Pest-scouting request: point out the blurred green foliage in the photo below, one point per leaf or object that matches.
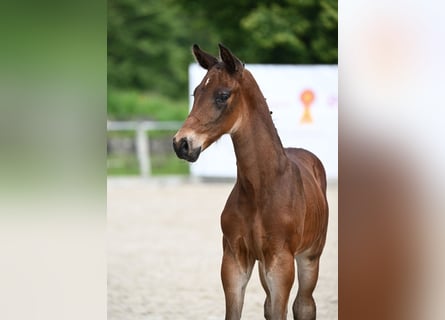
(132, 104)
(149, 44)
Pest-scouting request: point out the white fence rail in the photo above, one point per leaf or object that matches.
(142, 139)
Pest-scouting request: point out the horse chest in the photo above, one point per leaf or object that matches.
(260, 231)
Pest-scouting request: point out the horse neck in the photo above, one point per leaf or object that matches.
(259, 152)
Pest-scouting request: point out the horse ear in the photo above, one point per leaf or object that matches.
(204, 59)
(232, 63)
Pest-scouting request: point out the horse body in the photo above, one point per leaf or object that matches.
(277, 211)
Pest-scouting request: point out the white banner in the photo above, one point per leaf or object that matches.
(304, 102)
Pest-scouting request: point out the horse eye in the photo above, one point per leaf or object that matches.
(222, 97)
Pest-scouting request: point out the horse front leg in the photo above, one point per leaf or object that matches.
(236, 269)
(262, 272)
(277, 277)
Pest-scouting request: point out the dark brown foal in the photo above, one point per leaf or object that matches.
(277, 210)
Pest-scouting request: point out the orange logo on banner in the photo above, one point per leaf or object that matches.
(307, 97)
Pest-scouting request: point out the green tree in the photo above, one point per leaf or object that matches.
(296, 31)
(264, 31)
(148, 46)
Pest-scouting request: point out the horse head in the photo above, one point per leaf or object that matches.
(216, 103)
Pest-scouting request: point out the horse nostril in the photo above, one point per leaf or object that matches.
(184, 146)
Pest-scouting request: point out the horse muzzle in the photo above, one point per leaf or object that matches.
(184, 150)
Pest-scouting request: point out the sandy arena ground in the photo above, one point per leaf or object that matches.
(165, 249)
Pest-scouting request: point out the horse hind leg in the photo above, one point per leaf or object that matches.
(304, 304)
